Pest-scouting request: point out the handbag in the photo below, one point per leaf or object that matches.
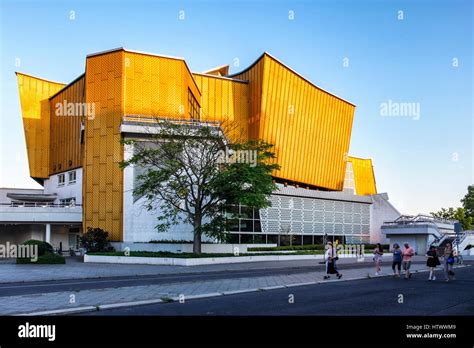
(335, 258)
(450, 260)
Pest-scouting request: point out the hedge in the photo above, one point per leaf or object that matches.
(47, 258)
(43, 247)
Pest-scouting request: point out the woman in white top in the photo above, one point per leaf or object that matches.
(378, 253)
(330, 256)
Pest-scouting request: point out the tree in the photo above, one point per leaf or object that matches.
(95, 239)
(455, 214)
(468, 201)
(191, 173)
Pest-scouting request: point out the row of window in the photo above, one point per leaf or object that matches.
(284, 240)
(193, 106)
(71, 178)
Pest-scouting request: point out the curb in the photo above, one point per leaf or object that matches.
(62, 311)
(128, 304)
(200, 296)
(242, 291)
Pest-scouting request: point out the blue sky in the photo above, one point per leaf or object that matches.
(423, 164)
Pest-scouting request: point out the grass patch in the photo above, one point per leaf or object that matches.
(166, 299)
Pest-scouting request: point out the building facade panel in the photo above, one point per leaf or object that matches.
(225, 101)
(302, 121)
(157, 86)
(104, 88)
(363, 175)
(35, 110)
(66, 117)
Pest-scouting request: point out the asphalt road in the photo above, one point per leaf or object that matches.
(378, 296)
(38, 287)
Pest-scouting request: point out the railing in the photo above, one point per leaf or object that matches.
(39, 205)
(460, 238)
(439, 241)
(418, 219)
(153, 119)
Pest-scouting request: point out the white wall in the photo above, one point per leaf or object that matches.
(139, 223)
(381, 210)
(68, 190)
(187, 248)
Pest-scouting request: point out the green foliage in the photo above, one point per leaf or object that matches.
(95, 239)
(186, 175)
(47, 258)
(455, 214)
(468, 201)
(43, 247)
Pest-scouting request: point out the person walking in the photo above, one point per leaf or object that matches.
(408, 253)
(378, 253)
(432, 262)
(448, 262)
(397, 260)
(330, 257)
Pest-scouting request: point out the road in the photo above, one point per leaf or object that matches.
(380, 296)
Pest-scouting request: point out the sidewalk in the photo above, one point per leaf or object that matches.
(75, 269)
(97, 298)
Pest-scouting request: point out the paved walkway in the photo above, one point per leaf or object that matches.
(76, 269)
(186, 290)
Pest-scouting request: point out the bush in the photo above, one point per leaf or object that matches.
(95, 240)
(48, 258)
(43, 247)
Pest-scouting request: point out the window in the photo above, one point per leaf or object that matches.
(68, 201)
(61, 179)
(72, 177)
(193, 106)
(81, 132)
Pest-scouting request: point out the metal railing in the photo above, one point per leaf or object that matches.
(418, 219)
(39, 205)
(153, 119)
(461, 237)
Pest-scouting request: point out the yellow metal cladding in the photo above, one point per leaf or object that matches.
(225, 100)
(254, 76)
(157, 86)
(103, 178)
(35, 110)
(309, 127)
(363, 176)
(65, 143)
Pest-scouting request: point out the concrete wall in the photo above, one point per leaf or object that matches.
(139, 223)
(419, 242)
(381, 210)
(67, 190)
(40, 214)
(187, 248)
